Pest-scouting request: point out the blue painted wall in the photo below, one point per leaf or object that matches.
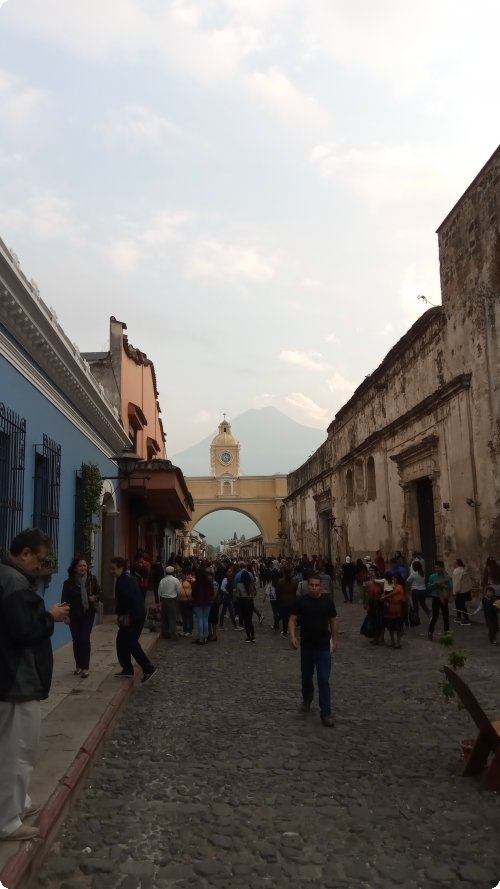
(42, 417)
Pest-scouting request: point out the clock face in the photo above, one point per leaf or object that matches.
(226, 458)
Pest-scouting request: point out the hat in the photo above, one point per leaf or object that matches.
(368, 558)
(348, 558)
(169, 570)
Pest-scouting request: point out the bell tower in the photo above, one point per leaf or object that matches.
(225, 453)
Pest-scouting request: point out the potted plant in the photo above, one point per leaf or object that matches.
(456, 660)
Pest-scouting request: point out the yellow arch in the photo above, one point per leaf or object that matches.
(260, 498)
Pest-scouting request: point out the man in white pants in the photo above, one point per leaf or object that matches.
(25, 676)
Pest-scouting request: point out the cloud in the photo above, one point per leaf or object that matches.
(338, 383)
(227, 262)
(263, 400)
(49, 216)
(128, 253)
(311, 284)
(136, 126)
(22, 107)
(314, 361)
(331, 338)
(203, 416)
(6, 159)
(390, 173)
(284, 98)
(309, 409)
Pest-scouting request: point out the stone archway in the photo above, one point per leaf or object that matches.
(260, 498)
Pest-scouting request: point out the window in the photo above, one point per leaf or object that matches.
(47, 489)
(371, 483)
(359, 480)
(349, 488)
(12, 456)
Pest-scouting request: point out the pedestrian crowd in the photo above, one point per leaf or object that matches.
(197, 599)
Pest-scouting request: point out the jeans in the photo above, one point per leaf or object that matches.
(227, 605)
(187, 617)
(418, 598)
(321, 660)
(81, 628)
(276, 614)
(443, 607)
(128, 646)
(169, 617)
(201, 613)
(348, 590)
(461, 606)
(492, 624)
(246, 613)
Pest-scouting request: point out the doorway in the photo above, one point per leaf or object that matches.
(425, 503)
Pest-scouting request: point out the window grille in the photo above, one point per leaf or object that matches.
(12, 458)
(47, 490)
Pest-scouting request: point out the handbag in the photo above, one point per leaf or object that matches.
(123, 621)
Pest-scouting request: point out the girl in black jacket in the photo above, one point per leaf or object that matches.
(82, 593)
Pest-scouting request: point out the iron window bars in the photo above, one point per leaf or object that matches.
(47, 490)
(12, 461)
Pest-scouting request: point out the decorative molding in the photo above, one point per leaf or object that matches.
(36, 329)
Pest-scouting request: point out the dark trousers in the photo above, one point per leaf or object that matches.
(285, 612)
(443, 607)
(169, 618)
(128, 646)
(227, 605)
(418, 598)
(187, 616)
(348, 590)
(246, 614)
(492, 624)
(461, 606)
(321, 661)
(81, 628)
(276, 614)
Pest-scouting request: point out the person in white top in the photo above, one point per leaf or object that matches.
(462, 587)
(418, 589)
(168, 591)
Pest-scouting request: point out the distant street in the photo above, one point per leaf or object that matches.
(213, 779)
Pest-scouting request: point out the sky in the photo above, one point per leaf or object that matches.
(253, 186)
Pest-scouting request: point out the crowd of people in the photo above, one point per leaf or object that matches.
(196, 599)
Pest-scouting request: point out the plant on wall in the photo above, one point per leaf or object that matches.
(456, 660)
(91, 504)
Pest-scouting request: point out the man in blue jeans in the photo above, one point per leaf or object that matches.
(318, 638)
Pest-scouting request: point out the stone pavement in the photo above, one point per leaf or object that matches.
(213, 779)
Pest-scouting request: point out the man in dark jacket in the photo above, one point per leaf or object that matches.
(25, 676)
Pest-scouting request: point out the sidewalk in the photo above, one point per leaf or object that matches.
(76, 718)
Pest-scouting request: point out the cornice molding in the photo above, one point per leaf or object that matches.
(57, 367)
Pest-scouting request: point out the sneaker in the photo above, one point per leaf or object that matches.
(239, 628)
(252, 640)
(125, 674)
(84, 674)
(327, 721)
(261, 619)
(466, 623)
(77, 672)
(247, 640)
(22, 833)
(457, 620)
(149, 675)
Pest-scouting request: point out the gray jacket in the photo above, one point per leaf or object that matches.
(26, 659)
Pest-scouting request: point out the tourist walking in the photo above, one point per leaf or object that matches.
(373, 624)
(226, 589)
(286, 594)
(462, 591)
(202, 596)
(347, 579)
(394, 601)
(130, 617)
(491, 607)
(213, 615)
(81, 591)
(418, 589)
(169, 590)
(440, 586)
(245, 591)
(318, 638)
(186, 604)
(26, 662)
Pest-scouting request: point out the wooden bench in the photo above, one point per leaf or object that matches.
(488, 739)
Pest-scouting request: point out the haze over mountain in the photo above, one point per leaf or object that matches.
(270, 442)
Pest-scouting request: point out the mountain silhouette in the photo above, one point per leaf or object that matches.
(270, 443)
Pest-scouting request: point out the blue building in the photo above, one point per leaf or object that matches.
(55, 423)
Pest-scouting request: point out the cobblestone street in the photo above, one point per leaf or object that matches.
(212, 778)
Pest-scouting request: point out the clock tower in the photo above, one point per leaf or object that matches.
(225, 453)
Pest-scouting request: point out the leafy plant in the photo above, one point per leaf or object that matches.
(456, 660)
(91, 504)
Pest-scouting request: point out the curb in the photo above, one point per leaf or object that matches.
(20, 868)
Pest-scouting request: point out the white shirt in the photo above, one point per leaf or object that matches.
(169, 587)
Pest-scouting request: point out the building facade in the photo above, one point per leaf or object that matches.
(55, 422)
(411, 461)
(155, 499)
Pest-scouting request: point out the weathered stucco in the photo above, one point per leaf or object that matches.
(418, 443)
